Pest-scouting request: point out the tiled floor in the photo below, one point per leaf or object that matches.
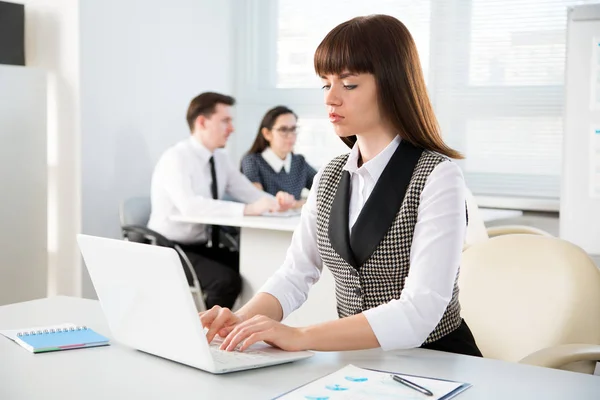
(545, 221)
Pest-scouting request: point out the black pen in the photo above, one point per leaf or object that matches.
(412, 385)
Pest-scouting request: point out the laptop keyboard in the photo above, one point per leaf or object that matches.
(227, 357)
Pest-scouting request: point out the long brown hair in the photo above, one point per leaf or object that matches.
(268, 121)
(381, 45)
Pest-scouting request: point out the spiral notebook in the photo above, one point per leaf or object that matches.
(55, 338)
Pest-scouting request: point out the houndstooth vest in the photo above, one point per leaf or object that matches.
(370, 264)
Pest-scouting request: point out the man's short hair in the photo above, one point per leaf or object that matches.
(205, 104)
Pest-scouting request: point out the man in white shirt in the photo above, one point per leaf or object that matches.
(190, 179)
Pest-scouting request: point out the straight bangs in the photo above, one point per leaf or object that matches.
(382, 46)
(343, 50)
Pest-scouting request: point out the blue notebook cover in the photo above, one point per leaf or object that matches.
(39, 341)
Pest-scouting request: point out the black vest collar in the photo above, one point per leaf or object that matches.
(378, 213)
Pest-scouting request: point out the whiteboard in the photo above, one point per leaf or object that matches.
(580, 181)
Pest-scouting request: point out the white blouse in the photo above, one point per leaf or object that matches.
(275, 162)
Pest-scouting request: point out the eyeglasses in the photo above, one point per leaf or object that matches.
(286, 131)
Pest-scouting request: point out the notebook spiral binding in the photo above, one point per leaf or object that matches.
(48, 331)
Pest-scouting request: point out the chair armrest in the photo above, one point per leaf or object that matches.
(148, 234)
(558, 356)
(515, 229)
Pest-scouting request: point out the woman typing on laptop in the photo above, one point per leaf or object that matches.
(388, 219)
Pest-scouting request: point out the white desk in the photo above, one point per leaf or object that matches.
(289, 224)
(263, 245)
(119, 372)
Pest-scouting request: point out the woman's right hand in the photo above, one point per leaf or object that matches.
(285, 200)
(219, 320)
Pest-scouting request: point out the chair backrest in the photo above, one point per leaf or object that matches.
(523, 293)
(513, 229)
(135, 211)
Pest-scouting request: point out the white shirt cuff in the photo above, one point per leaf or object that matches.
(237, 208)
(278, 289)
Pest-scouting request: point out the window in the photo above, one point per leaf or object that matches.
(494, 70)
(517, 42)
(301, 25)
(500, 96)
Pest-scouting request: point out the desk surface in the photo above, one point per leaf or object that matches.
(120, 372)
(286, 224)
(289, 224)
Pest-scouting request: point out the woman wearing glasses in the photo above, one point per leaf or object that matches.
(271, 164)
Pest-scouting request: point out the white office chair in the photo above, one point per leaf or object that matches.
(532, 299)
(134, 214)
(477, 232)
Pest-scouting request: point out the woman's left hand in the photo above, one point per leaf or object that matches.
(285, 200)
(264, 328)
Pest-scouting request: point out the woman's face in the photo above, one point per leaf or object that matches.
(282, 136)
(351, 101)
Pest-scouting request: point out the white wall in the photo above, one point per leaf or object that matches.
(141, 64)
(52, 44)
(23, 233)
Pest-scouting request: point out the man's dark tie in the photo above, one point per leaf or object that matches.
(215, 195)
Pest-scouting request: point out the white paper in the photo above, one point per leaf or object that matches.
(353, 383)
(594, 166)
(288, 213)
(12, 333)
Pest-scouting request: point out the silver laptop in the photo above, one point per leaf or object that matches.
(146, 299)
